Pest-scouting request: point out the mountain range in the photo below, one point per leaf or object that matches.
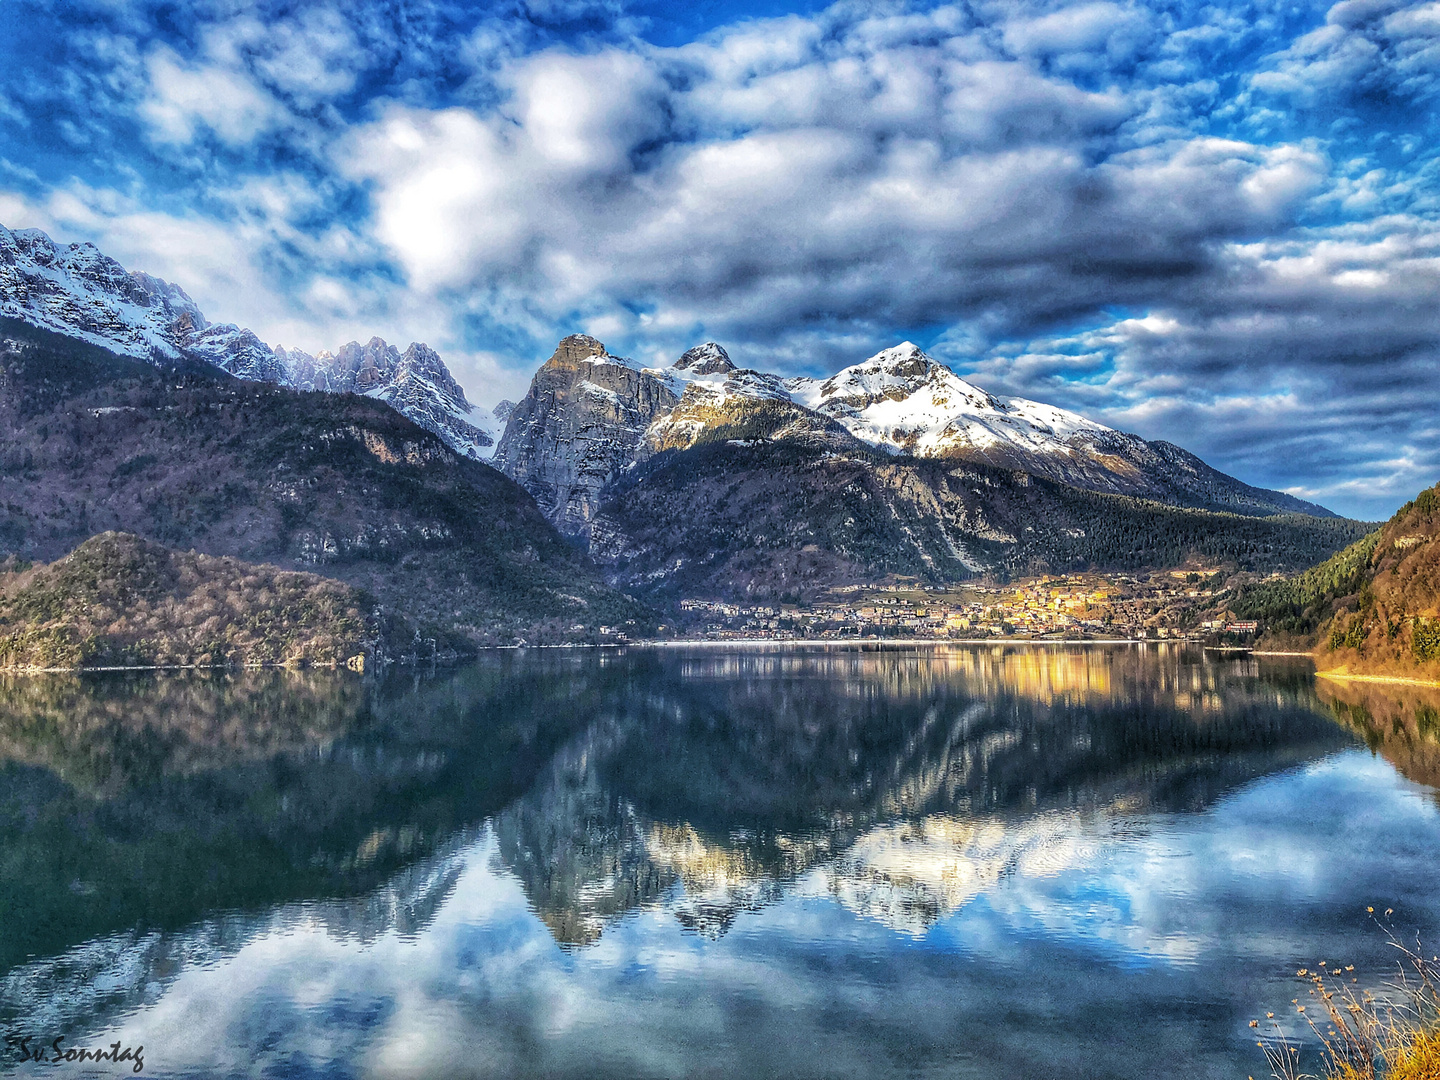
(77, 291)
(340, 485)
(697, 478)
(589, 417)
(706, 478)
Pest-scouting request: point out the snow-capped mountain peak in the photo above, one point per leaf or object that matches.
(415, 383)
(901, 399)
(589, 422)
(77, 291)
(895, 374)
(235, 350)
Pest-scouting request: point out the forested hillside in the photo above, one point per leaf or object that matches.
(1292, 610)
(121, 600)
(778, 518)
(1391, 624)
(1374, 608)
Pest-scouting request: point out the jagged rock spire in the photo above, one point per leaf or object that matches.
(706, 359)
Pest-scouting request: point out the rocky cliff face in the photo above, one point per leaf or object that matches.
(77, 291)
(415, 383)
(580, 426)
(236, 351)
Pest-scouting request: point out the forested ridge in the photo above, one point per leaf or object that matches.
(1373, 608)
(118, 600)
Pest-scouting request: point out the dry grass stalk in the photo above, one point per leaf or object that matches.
(1390, 1033)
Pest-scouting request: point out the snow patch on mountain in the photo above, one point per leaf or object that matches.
(237, 351)
(416, 383)
(898, 401)
(77, 291)
(707, 359)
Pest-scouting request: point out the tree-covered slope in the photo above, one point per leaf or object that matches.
(1391, 624)
(1294, 608)
(118, 599)
(1374, 608)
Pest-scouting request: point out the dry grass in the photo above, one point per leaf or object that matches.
(1391, 1032)
(1421, 1059)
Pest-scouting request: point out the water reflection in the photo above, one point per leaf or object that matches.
(727, 774)
(915, 778)
(758, 818)
(148, 801)
(1398, 721)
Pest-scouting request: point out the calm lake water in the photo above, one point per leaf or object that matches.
(803, 862)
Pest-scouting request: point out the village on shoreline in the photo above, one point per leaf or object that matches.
(1174, 605)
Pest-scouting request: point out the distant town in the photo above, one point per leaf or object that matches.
(1177, 604)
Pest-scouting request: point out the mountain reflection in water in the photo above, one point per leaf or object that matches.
(157, 825)
(912, 779)
(1398, 721)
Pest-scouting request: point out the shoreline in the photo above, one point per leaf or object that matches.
(711, 643)
(674, 643)
(169, 667)
(1398, 680)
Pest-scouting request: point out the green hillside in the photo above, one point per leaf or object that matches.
(1372, 609)
(1297, 607)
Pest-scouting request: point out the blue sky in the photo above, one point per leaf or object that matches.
(1207, 222)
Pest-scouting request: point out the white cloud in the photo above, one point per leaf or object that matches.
(586, 113)
(917, 186)
(1306, 367)
(186, 98)
(1110, 30)
(315, 56)
(1387, 46)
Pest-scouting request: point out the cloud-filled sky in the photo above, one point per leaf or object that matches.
(1216, 223)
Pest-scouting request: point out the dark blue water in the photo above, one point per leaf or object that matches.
(968, 862)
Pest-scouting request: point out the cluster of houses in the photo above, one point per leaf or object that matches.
(1157, 606)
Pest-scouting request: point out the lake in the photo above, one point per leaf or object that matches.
(957, 861)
